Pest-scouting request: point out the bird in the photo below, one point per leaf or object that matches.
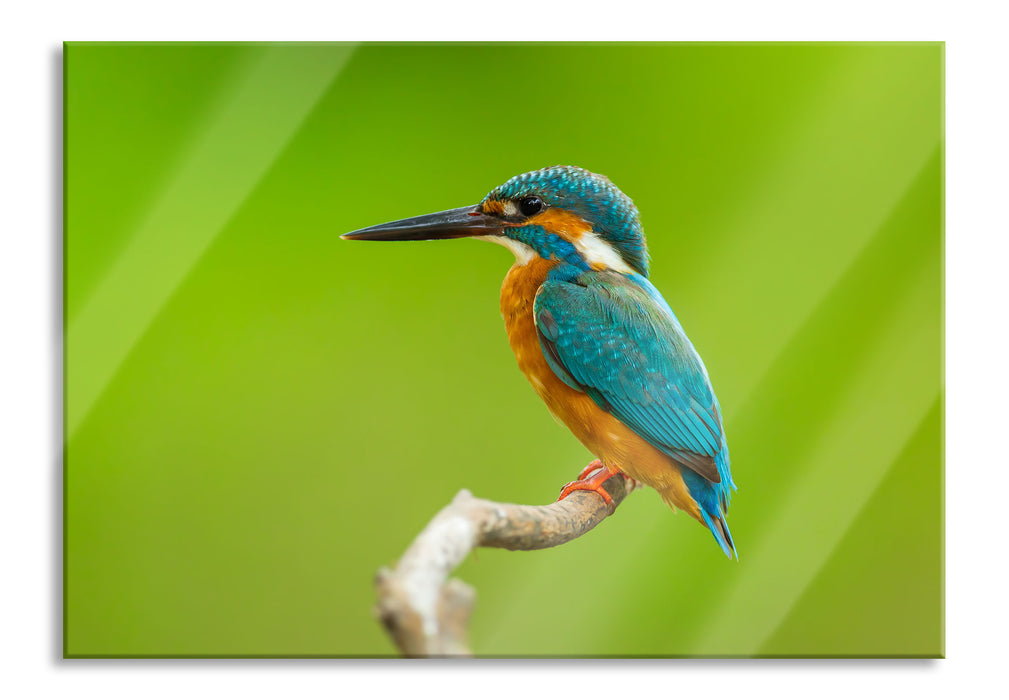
(595, 338)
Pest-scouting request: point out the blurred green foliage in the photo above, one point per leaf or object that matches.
(259, 415)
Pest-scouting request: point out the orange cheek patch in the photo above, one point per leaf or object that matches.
(568, 226)
(493, 207)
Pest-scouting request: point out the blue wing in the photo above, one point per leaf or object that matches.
(615, 338)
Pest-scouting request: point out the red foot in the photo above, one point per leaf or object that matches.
(593, 465)
(594, 483)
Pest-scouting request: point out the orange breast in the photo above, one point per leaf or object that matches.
(605, 436)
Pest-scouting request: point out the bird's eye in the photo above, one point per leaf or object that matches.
(530, 206)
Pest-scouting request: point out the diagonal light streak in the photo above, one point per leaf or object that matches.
(770, 223)
(238, 145)
(882, 500)
(883, 407)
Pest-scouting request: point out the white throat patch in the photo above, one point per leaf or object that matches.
(523, 253)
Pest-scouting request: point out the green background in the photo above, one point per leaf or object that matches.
(260, 415)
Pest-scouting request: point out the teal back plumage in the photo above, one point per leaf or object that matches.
(613, 336)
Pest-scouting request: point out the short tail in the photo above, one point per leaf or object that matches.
(712, 501)
(721, 532)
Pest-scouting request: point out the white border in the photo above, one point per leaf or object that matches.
(976, 348)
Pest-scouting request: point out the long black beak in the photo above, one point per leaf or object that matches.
(454, 223)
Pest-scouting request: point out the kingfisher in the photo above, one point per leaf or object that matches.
(595, 338)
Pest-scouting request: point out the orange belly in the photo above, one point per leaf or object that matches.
(602, 433)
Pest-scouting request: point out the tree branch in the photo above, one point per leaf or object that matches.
(428, 615)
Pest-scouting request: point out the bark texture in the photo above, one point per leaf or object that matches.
(425, 612)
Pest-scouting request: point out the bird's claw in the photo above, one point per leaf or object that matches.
(600, 473)
(593, 465)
